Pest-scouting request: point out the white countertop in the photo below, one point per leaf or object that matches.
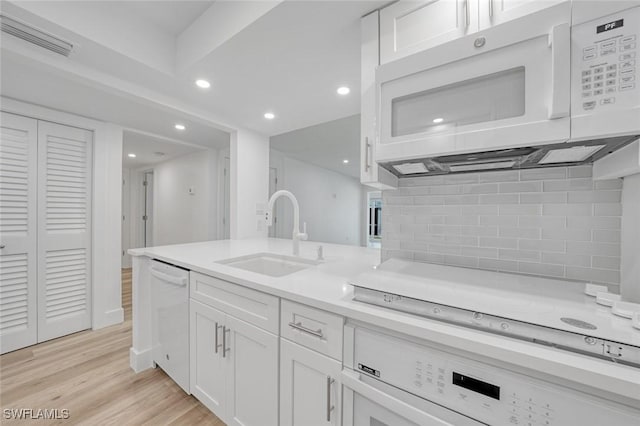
(326, 287)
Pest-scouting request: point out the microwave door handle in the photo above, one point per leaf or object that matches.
(352, 381)
(559, 42)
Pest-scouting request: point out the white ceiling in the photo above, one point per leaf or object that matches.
(34, 83)
(171, 16)
(325, 145)
(150, 150)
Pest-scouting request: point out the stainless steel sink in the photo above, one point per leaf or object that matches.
(273, 265)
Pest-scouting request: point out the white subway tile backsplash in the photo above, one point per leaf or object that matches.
(605, 262)
(599, 196)
(519, 255)
(498, 242)
(498, 265)
(499, 199)
(554, 222)
(509, 221)
(611, 209)
(521, 187)
(568, 185)
(543, 174)
(543, 197)
(579, 171)
(567, 209)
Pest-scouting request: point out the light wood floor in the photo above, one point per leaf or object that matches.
(88, 373)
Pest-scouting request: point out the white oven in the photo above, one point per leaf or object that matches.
(395, 380)
(537, 80)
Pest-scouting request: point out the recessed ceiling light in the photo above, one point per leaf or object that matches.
(438, 120)
(203, 84)
(180, 126)
(132, 155)
(344, 90)
(269, 115)
(345, 161)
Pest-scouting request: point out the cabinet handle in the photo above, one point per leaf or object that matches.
(467, 13)
(299, 326)
(330, 407)
(490, 8)
(2, 246)
(217, 328)
(224, 341)
(367, 145)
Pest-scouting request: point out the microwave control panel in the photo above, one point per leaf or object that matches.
(605, 62)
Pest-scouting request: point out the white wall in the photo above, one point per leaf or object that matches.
(331, 203)
(249, 184)
(180, 216)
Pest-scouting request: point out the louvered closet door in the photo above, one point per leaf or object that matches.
(64, 230)
(18, 232)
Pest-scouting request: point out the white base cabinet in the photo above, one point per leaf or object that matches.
(233, 367)
(310, 388)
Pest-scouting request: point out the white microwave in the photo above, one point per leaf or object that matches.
(564, 74)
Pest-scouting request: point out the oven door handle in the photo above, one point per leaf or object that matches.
(352, 381)
(560, 44)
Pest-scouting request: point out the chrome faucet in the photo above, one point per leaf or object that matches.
(296, 234)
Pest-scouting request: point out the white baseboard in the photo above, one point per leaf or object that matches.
(112, 317)
(140, 360)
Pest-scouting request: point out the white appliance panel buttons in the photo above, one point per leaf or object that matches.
(628, 39)
(589, 105)
(627, 56)
(626, 47)
(610, 90)
(607, 44)
(598, 92)
(609, 51)
(627, 86)
(608, 101)
(589, 56)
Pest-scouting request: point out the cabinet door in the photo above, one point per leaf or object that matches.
(64, 230)
(252, 375)
(408, 27)
(494, 12)
(207, 367)
(18, 233)
(310, 391)
(370, 173)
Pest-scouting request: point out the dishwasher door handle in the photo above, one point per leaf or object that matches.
(351, 380)
(179, 281)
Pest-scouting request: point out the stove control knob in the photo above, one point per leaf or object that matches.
(590, 340)
(477, 315)
(504, 326)
(436, 310)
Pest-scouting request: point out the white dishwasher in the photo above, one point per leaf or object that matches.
(170, 320)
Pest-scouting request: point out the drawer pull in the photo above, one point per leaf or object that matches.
(299, 326)
(218, 327)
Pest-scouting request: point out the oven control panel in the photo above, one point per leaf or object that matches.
(605, 62)
(483, 392)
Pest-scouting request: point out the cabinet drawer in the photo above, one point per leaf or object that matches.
(254, 307)
(310, 327)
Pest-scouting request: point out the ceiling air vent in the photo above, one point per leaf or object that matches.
(35, 36)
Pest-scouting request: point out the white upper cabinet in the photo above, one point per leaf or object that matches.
(370, 173)
(408, 27)
(494, 12)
